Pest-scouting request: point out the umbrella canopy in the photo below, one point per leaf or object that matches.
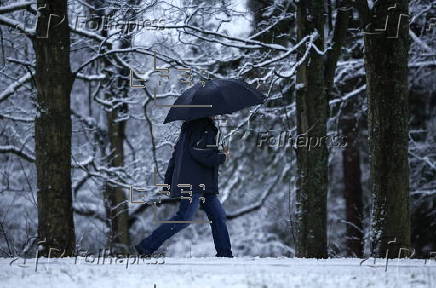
(216, 97)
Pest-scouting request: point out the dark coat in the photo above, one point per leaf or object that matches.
(192, 161)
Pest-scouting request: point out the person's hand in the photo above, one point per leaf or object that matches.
(226, 151)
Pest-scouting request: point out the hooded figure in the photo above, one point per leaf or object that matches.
(195, 159)
(194, 163)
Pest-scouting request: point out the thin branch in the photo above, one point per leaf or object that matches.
(255, 206)
(17, 25)
(15, 7)
(14, 150)
(257, 44)
(14, 86)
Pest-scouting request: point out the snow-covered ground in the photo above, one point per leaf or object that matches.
(217, 272)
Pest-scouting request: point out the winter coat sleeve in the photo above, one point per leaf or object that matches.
(170, 169)
(207, 156)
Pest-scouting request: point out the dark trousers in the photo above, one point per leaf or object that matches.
(186, 212)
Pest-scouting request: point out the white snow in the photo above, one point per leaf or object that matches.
(219, 272)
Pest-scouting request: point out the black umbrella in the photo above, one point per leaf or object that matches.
(216, 97)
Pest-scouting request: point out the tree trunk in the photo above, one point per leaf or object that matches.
(118, 212)
(116, 89)
(386, 59)
(53, 130)
(353, 187)
(349, 127)
(312, 113)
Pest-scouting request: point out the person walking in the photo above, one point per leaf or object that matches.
(196, 158)
(194, 161)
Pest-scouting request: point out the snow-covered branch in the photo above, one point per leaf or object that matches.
(10, 90)
(247, 41)
(16, 25)
(16, 6)
(19, 152)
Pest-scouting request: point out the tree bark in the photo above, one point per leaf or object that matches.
(118, 208)
(116, 89)
(386, 60)
(53, 130)
(352, 182)
(348, 123)
(312, 113)
(116, 197)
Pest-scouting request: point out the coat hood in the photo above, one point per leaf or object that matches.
(198, 124)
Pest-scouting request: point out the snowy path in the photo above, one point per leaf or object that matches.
(218, 272)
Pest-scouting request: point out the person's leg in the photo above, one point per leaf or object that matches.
(215, 212)
(166, 230)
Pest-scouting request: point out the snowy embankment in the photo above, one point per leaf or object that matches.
(217, 272)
